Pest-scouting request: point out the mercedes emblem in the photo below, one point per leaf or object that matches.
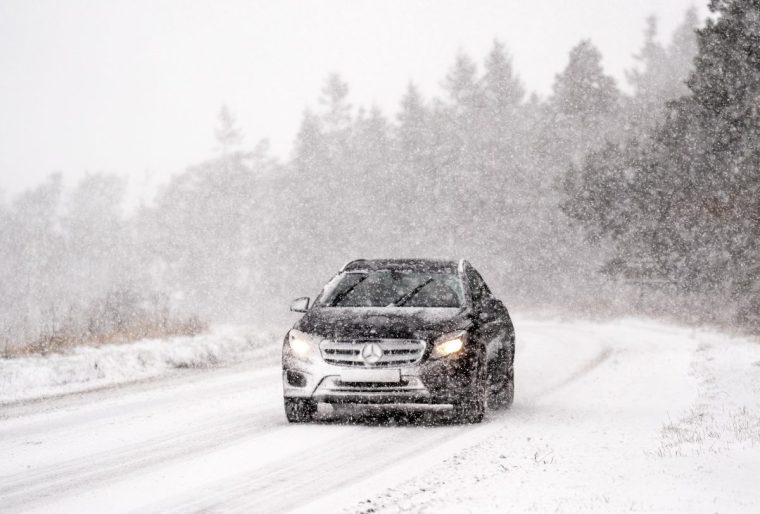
(372, 353)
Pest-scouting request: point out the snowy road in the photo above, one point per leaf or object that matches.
(604, 419)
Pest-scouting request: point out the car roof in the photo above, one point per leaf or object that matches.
(440, 265)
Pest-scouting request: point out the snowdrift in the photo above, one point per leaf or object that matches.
(85, 368)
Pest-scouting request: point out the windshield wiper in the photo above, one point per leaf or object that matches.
(339, 298)
(408, 296)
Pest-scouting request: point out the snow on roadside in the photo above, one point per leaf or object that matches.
(669, 423)
(84, 368)
(726, 414)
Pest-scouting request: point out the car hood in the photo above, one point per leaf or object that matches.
(382, 322)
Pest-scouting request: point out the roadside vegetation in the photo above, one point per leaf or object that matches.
(120, 317)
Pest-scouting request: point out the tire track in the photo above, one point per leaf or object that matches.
(291, 483)
(131, 393)
(577, 374)
(18, 491)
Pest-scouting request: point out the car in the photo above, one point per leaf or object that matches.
(400, 331)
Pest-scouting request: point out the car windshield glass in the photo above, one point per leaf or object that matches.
(392, 288)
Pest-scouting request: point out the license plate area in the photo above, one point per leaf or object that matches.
(390, 376)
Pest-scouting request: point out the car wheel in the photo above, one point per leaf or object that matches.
(300, 410)
(472, 408)
(504, 396)
(509, 392)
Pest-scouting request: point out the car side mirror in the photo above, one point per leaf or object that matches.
(300, 304)
(487, 315)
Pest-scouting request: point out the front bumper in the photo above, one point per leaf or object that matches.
(440, 381)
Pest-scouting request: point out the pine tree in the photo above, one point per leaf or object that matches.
(584, 109)
(651, 81)
(413, 134)
(726, 103)
(681, 53)
(460, 121)
(502, 88)
(372, 143)
(583, 89)
(503, 92)
(500, 130)
(462, 86)
(309, 145)
(334, 100)
(662, 74)
(228, 135)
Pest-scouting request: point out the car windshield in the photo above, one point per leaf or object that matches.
(392, 288)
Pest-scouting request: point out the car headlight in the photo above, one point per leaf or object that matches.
(301, 343)
(449, 344)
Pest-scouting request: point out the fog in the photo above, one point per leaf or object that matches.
(600, 198)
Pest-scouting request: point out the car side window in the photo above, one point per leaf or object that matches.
(478, 287)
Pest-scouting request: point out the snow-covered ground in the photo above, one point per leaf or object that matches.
(86, 368)
(618, 416)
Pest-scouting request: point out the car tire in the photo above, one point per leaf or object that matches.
(504, 396)
(300, 410)
(472, 408)
(508, 393)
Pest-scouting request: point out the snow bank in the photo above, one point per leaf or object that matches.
(84, 368)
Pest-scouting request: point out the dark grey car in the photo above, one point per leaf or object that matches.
(397, 331)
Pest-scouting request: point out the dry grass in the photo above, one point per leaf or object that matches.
(63, 339)
(700, 433)
(725, 415)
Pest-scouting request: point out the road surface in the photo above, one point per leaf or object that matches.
(584, 433)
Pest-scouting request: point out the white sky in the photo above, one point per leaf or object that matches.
(134, 87)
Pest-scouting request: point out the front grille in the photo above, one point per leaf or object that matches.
(395, 352)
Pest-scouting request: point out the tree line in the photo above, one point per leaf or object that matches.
(555, 199)
(680, 202)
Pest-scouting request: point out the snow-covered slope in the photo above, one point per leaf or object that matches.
(609, 417)
(85, 368)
